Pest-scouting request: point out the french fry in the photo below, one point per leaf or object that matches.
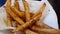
(45, 31)
(9, 21)
(27, 11)
(16, 4)
(29, 23)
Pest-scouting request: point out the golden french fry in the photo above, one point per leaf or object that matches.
(46, 31)
(29, 23)
(16, 4)
(27, 11)
(9, 21)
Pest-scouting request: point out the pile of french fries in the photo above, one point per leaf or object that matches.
(27, 22)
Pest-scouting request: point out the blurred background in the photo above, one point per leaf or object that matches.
(54, 3)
